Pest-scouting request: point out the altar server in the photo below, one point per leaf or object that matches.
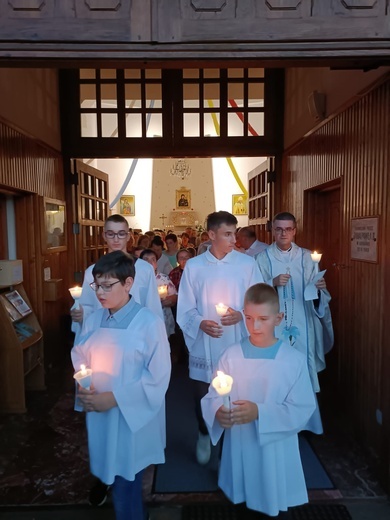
(220, 275)
(127, 349)
(271, 399)
(116, 234)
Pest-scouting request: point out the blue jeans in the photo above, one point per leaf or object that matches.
(127, 498)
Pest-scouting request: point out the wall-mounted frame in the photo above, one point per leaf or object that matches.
(240, 204)
(183, 199)
(54, 228)
(127, 206)
(364, 239)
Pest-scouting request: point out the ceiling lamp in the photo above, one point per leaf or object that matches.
(181, 169)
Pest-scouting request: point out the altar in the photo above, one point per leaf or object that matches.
(180, 219)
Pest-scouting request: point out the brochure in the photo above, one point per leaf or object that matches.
(18, 302)
(13, 313)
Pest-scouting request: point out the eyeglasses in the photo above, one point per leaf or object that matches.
(281, 230)
(105, 286)
(120, 234)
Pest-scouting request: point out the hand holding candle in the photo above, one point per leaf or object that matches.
(316, 257)
(76, 293)
(84, 377)
(223, 385)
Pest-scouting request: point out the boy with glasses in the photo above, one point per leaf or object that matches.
(116, 234)
(290, 269)
(127, 349)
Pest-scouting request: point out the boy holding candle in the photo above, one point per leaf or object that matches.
(126, 403)
(271, 400)
(117, 236)
(220, 275)
(307, 323)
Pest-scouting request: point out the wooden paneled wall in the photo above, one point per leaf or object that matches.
(31, 171)
(354, 147)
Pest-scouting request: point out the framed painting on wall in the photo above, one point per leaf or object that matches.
(239, 204)
(127, 206)
(183, 199)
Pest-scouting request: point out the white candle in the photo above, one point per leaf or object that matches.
(162, 291)
(84, 377)
(221, 309)
(316, 257)
(223, 385)
(76, 293)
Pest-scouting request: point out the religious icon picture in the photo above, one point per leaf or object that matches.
(239, 204)
(127, 206)
(183, 199)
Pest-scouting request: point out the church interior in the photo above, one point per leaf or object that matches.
(165, 142)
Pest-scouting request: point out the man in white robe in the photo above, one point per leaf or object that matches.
(271, 399)
(127, 349)
(307, 324)
(220, 275)
(246, 238)
(144, 289)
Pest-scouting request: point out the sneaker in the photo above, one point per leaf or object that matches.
(203, 449)
(98, 494)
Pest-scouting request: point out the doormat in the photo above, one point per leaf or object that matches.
(211, 512)
(232, 512)
(320, 512)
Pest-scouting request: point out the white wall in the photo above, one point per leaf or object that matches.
(211, 183)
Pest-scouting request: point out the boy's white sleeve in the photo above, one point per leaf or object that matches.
(280, 420)
(139, 401)
(188, 316)
(88, 301)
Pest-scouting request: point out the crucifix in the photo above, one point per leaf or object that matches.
(163, 217)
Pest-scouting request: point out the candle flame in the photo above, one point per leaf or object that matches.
(222, 379)
(83, 370)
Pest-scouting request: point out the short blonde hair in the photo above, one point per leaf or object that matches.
(262, 293)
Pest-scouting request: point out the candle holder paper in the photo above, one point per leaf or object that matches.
(223, 385)
(76, 294)
(221, 309)
(84, 378)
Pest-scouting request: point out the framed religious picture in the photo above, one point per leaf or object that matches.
(239, 204)
(183, 199)
(127, 206)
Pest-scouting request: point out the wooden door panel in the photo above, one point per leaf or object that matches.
(91, 196)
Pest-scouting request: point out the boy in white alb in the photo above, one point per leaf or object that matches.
(127, 349)
(116, 234)
(220, 275)
(271, 399)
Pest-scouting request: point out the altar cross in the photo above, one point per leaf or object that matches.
(163, 217)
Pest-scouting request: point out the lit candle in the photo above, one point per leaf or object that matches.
(76, 293)
(223, 385)
(162, 291)
(316, 257)
(84, 377)
(221, 309)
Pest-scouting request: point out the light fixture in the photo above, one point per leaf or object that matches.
(181, 169)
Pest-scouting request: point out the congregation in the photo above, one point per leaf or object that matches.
(183, 278)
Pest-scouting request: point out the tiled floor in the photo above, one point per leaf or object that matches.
(44, 464)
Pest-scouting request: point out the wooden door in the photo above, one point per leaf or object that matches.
(91, 210)
(322, 222)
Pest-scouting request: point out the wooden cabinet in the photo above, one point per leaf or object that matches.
(21, 349)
